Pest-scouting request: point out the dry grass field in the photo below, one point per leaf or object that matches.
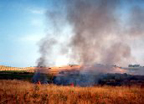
(22, 92)
(52, 70)
(9, 68)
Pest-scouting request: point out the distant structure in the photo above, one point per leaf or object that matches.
(135, 65)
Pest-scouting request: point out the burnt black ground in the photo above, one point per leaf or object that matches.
(68, 79)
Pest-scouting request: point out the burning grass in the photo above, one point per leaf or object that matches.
(13, 91)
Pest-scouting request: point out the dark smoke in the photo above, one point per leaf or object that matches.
(99, 36)
(95, 23)
(46, 52)
(98, 33)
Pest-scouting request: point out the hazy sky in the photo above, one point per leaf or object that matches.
(23, 23)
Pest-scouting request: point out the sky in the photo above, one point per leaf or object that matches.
(23, 24)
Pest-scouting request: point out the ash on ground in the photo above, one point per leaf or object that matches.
(77, 78)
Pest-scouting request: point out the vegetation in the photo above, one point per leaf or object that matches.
(25, 74)
(22, 92)
(16, 88)
(9, 68)
(20, 75)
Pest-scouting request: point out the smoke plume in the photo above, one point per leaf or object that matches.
(98, 32)
(97, 37)
(137, 21)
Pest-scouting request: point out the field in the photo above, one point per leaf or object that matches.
(22, 92)
(53, 70)
(16, 87)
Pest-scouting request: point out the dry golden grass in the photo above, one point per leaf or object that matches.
(21, 92)
(51, 70)
(8, 68)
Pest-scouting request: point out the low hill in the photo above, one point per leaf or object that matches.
(53, 70)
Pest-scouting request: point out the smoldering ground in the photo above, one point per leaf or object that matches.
(99, 33)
